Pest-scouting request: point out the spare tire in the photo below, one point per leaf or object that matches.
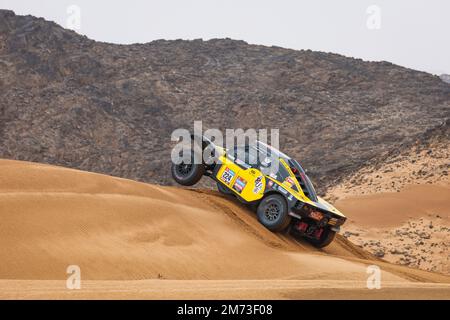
(187, 174)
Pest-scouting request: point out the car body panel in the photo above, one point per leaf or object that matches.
(247, 183)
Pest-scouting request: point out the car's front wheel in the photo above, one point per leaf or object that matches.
(272, 212)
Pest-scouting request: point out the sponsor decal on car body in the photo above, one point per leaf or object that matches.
(258, 184)
(239, 184)
(283, 190)
(227, 175)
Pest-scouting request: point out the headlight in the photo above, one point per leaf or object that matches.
(333, 221)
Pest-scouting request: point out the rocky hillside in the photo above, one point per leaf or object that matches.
(423, 161)
(445, 77)
(68, 100)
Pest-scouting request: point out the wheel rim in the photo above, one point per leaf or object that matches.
(272, 211)
(183, 169)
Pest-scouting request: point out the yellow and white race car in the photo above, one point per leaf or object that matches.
(277, 186)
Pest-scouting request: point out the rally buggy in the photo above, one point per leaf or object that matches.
(284, 199)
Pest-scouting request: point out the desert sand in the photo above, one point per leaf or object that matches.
(409, 227)
(135, 240)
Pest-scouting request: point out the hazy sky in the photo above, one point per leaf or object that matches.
(412, 33)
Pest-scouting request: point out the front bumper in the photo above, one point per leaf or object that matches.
(321, 217)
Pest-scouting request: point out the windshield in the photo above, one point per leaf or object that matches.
(260, 155)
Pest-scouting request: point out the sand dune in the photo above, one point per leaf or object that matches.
(394, 208)
(134, 240)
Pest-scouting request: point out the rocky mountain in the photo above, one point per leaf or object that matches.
(423, 161)
(72, 101)
(445, 77)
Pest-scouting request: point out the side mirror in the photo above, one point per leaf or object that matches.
(266, 162)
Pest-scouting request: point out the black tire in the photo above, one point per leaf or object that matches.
(224, 190)
(273, 213)
(187, 174)
(326, 238)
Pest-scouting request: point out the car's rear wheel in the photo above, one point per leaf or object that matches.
(223, 189)
(187, 174)
(325, 238)
(272, 213)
